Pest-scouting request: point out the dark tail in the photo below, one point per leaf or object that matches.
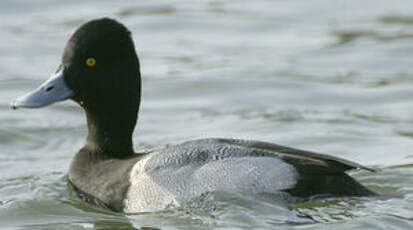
(330, 185)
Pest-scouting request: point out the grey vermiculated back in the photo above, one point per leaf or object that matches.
(183, 172)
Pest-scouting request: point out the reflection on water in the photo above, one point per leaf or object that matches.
(334, 77)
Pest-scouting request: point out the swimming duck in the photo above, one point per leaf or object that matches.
(100, 71)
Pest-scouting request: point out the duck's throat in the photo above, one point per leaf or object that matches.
(110, 132)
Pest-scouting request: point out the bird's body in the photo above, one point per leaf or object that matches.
(174, 175)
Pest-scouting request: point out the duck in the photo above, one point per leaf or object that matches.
(100, 71)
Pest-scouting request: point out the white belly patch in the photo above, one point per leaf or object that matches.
(155, 189)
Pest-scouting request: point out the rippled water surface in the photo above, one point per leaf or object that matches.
(329, 76)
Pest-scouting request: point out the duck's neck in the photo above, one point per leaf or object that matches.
(112, 108)
(110, 130)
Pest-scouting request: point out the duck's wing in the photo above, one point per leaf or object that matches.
(296, 156)
(318, 174)
(198, 166)
(198, 152)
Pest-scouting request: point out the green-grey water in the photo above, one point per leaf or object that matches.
(329, 76)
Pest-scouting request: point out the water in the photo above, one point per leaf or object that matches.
(329, 76)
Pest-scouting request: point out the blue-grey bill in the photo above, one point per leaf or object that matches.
(51, 91)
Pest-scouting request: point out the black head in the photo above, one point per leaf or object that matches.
(100, 71)
(100, 64)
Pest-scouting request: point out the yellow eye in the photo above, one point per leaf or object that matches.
(90, 62)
